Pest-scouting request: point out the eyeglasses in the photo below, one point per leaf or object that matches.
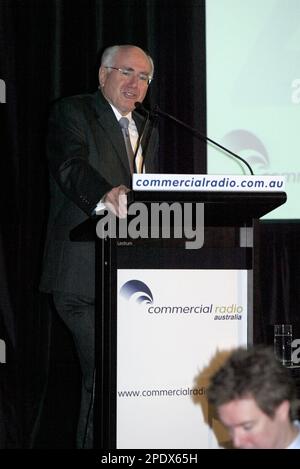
(129, 72)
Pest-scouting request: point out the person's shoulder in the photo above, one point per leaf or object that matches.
(296, 442)
(79, 101)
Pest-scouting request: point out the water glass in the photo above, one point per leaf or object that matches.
(283, 336)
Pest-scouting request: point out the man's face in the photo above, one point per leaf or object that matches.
(123, 91)
(250, 428)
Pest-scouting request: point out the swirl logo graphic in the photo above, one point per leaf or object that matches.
(244, 141)
(138, 291)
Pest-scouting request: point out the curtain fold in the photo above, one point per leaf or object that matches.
(51, 49)
(279, 270)
(48, 50)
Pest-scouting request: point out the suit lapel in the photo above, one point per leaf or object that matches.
(107, 120)
(149, 146)
(139, 121)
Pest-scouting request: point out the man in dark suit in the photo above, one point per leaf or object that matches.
(90, 170)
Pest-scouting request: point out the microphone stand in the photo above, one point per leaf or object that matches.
(145, 134)
(139, 141)
(157, 111)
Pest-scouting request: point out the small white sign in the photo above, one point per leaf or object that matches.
(171, 323)
(2, 351)
(207, 183)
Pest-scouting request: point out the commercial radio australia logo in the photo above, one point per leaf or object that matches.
(254, 151)
(138, 292)
(250, 146)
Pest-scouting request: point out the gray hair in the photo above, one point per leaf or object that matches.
(110, 53)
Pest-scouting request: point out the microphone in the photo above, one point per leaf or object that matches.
(158, 112)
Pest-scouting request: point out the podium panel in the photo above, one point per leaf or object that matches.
(170, 325)
(168, 311)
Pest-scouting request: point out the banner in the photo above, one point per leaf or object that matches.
(170, 325)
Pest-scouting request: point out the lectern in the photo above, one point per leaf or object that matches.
(163, 311)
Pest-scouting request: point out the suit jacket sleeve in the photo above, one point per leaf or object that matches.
(68, 154)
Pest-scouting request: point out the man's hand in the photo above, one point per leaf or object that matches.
(116, 201)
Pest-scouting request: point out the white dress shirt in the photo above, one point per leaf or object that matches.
(133, 134)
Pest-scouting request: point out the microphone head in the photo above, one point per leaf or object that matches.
(140, 107)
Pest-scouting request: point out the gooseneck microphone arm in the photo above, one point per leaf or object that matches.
(197, 133)
(139, 140)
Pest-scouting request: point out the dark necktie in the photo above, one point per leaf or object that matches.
(124, 123)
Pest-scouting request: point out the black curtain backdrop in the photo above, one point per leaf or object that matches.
(278, 271)
(49, 49)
